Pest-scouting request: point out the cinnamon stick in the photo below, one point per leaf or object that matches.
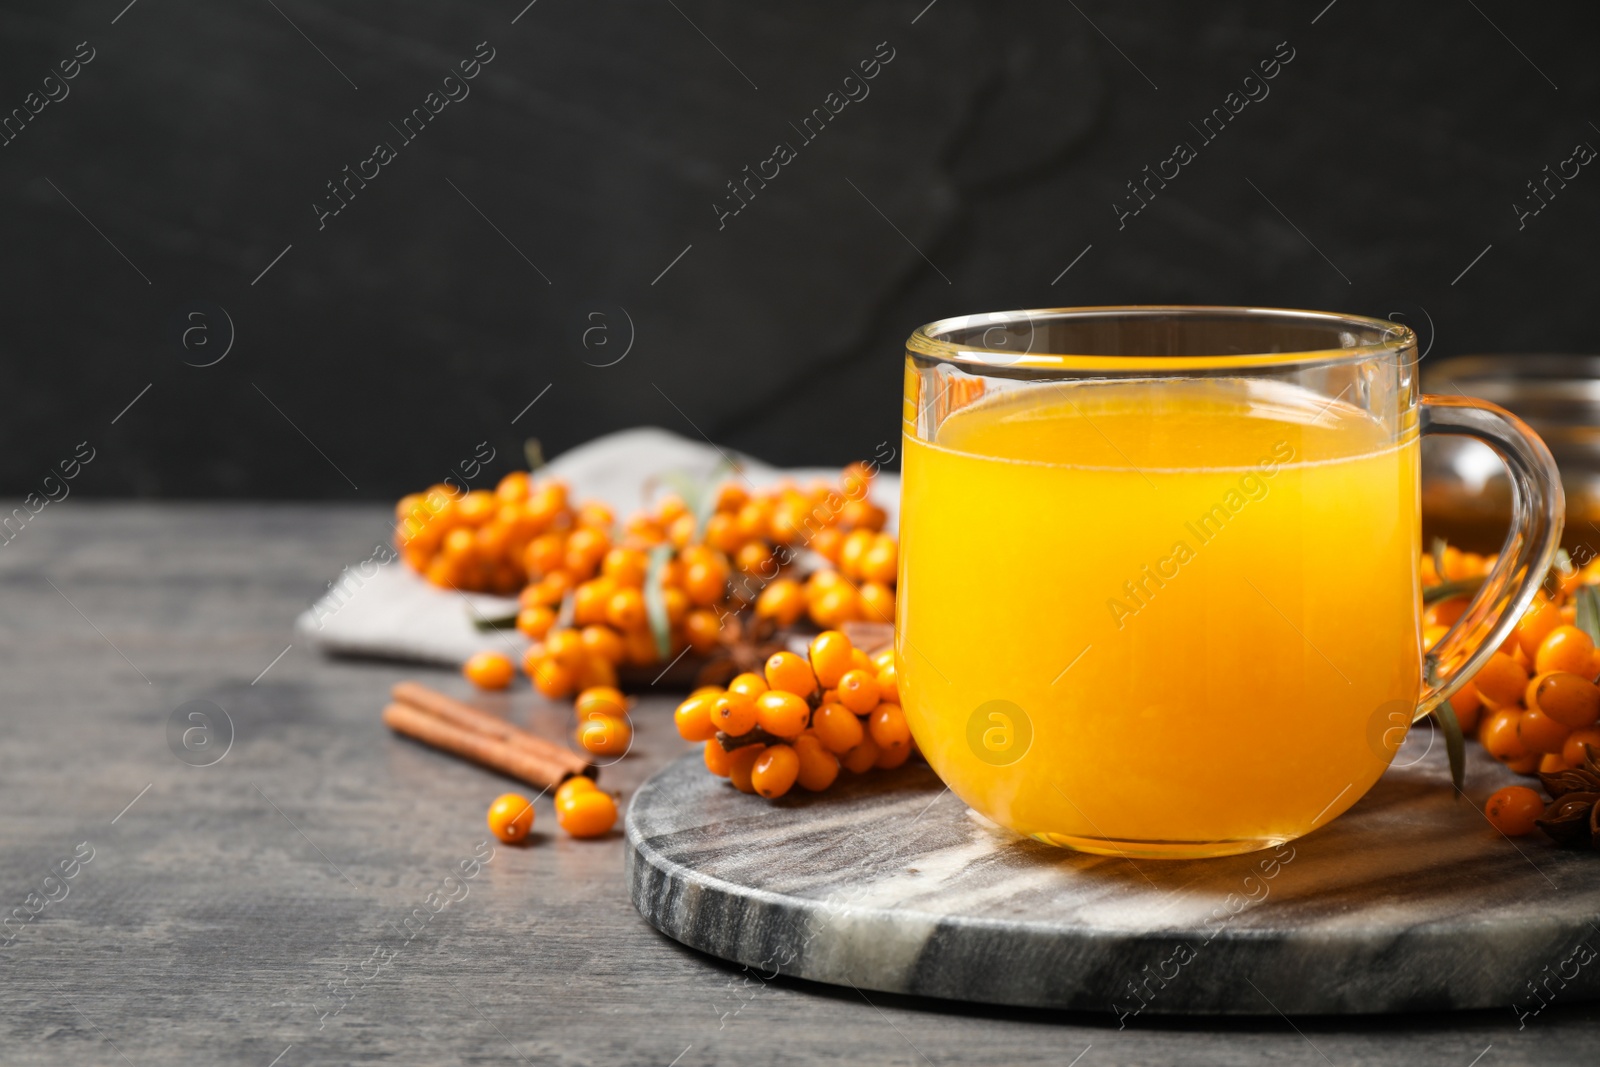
(482, 737)
(509, 759)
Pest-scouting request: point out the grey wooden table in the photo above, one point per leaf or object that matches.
(289, 904)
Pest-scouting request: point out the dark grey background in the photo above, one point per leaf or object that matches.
(1386, 158)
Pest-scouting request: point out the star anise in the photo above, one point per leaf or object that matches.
(1573, 816)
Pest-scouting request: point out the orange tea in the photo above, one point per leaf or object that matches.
(1167, 617)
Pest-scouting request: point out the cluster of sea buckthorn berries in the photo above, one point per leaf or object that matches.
(610, 611)
(801, 719)
(582, 810)
(477, 541)
(1534, 706)
(591, 594)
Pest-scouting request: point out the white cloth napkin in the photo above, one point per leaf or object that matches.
(386, 610)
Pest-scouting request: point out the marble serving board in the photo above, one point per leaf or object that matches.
(1410, 901)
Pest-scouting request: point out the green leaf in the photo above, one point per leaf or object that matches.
(1435, 593)
(534, 453)
(1439, 545)
(1588, 616)
(485, 623)
(1454, 745)
(655, 603)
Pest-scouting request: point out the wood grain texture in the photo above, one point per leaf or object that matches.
(217, 909)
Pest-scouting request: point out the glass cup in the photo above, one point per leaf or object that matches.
(1158, 587)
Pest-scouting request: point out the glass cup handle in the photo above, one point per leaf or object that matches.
(1538, 509)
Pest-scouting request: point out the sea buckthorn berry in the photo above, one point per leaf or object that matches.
(860, 760)
(860, 661)
(490, 540)
(587, 814)
(782, 601)
(835, 606)
(625, 610)
(578, 783)
(1466, 701)
(889, 691)
(837, 728)
(595, 515)
(749, 684)
(830, 657)
(818, 766)
(489, 670)
(775, 771)
(879, 560)
(536, 621)
(753, 557)
(693, 717)
(1536, 623)
(604, 642)
(819, 582)
(827, 543)
(1551, 762)
(733, 713)
(1540, 733)
(705, 581)
(1445, 612)
(1501, 681)
(586, 547)
(1514, 810)
(722, 533)
(513, 488)
(553, 678)
(702, 630)
(605, 699)
(566, 648)
(676, 603)
(1565, 648)
(887, 725)
(1528, 764)
(883, 658)
(862, 515)
(1579, 743)
(791, 673)
(876, 602)
(892, 757)
(671, 507)
(605, 735)
(590, 599)
(511, 817)
(741, 766)
(625, 566)
(858, 691)
(1570, 699)
(553, 588)
(854, 550)
(719, 761)
(1499, 736)
(1431, 635)
(731, 496)
(754, 520)
(545, 553)
(460, 544)
(477, 507)
(782, 713)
